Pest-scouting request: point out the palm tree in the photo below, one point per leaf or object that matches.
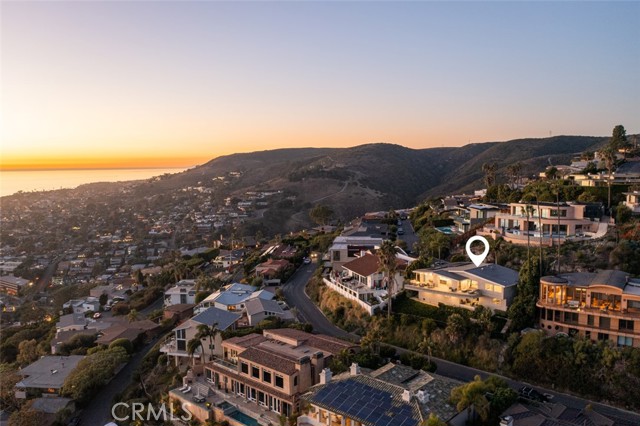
(489, 170)
(192, 347)
(388, 266)
(208, 332)
(527, 210)
(609, 157)
(472, 398)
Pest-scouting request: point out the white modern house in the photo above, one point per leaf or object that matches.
(466, 286)
(233, 297)
(182, 293)
(633, 201)
(176, 345)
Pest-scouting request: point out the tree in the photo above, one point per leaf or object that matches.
(623, 214)
(456, 327)
(551, 173)
(489, 170)
(192, 347)
(471, 397)
(25, 417)
(513, 171)
(321, 214)
(618, 138)
(123, 343)
(433, 420)
(103, 299)
(609, 157)
(132, 315)
(388, 266)
(527, 210)
(208, 332)
(27, 352)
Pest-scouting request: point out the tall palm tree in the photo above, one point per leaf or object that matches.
(489, 170)
(388, 266)
(609, 157)
(192, 347)
(526, 210)
(132, 315)
(472, 398)
(208, 332)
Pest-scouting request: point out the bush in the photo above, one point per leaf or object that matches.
(123, 343)
(120, 309)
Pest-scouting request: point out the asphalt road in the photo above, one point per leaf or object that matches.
(98, 412)
(296, 297)
(308, 311)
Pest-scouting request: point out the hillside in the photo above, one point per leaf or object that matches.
(371, 177)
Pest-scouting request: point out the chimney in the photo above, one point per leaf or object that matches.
(506, 421)
(406, 395)
(325, 376)
(355, 369)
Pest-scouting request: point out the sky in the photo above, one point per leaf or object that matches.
(160, 83)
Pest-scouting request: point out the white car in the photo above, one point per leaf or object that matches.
(307, 261)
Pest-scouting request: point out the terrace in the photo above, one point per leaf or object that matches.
(204, 402)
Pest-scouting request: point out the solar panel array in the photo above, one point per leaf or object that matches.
(365, 403)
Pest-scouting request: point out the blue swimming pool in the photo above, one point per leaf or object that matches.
(244, 419)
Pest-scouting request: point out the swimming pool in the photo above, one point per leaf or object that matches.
(243, 418)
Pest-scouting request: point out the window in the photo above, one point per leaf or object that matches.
(590, 320)
(295, 381)
(603, 336)
(605, 322)
(279, 382)
(255, 372)
(244, 367)
(336, 256)
(625, 325)
(571, 317)
(181, 334)
(266, 376)
(625, 341)
(181, 345)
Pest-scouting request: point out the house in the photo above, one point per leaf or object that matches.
(553, 223)
(46, 375)
(49, 409)
(265, 374)
(465, 285)
(232, 297)
(258, 309)
(604, 305)
(65, 336)
(11, 284)
(272, 269)
(628, 173)
(633, 201)
(75, 321)
(136, 331)
(81, 306)
(392, 395)
(183, 292)
(521, 414)
(228, 258)
(344, 249)
(179, 312)
(176, 345)
(362, 281)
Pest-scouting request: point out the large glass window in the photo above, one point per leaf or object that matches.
(605, 323)
(255, 372)
(606, 301)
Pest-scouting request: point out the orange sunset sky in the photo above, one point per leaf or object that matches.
(162, 84)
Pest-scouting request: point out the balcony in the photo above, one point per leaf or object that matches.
(170, 347)
(600, 311)
(439, 289)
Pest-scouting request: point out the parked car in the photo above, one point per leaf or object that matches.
(97, 315)
(307, 261)
(532, 394)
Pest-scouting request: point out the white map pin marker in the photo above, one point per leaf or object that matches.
(477, 259)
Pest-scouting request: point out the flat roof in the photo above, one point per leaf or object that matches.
(48, 372)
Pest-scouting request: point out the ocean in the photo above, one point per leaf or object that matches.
(39, 180)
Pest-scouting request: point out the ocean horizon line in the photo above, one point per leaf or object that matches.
(66, 169)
